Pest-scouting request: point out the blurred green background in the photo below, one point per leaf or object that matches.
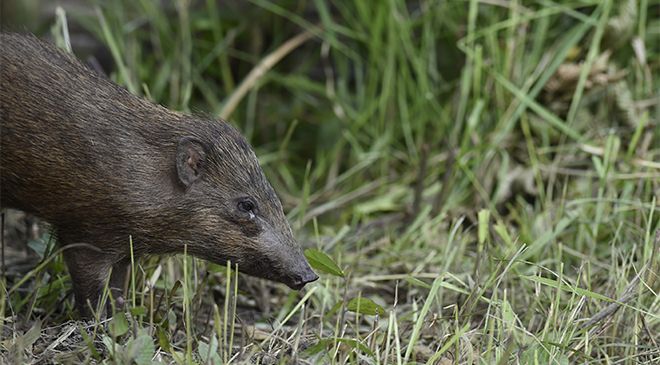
(486, 173)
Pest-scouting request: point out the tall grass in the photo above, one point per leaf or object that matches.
(484, 173)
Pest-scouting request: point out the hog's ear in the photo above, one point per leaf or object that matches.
(190, 160)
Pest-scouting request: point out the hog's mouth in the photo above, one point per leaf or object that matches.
(295, 276)
(294, 281)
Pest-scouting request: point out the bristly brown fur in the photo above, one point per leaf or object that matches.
(101, 165)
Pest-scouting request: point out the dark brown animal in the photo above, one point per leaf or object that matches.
(101, 165)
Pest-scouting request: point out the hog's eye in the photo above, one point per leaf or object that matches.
(246, 206)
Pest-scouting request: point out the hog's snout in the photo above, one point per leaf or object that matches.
(300, 280)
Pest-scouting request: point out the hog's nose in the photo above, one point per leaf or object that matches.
(310, 277)
(307, 277)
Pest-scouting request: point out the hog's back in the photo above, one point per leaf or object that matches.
(67, 141)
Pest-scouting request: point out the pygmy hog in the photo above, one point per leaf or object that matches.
(101, 165)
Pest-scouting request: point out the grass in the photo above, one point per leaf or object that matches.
(482, 176)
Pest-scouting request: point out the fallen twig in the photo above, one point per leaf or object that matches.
(630, 290)
(262, 67)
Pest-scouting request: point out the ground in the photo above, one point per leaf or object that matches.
(476, 182)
